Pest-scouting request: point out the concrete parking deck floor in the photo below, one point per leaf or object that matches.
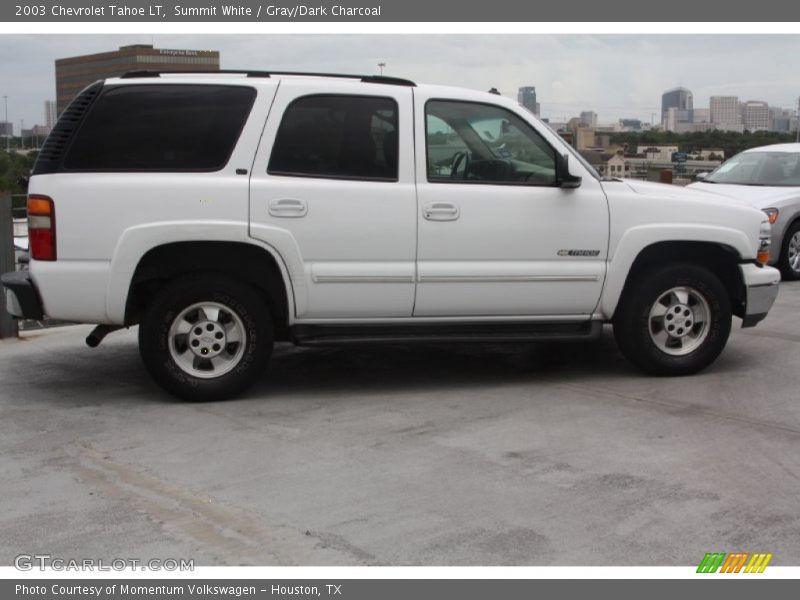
(501, 455)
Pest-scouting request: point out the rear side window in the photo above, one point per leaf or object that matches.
(161, 128)
(341, 137)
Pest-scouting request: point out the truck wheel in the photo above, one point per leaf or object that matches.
(674, 320)
(206, 337)
(789, 261)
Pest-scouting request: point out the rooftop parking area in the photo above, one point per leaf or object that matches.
(406, 455)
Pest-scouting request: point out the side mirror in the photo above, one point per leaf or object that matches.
(564, 178)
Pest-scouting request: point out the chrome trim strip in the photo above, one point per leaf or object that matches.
(447, 320)
(503, 278)
(363, 279)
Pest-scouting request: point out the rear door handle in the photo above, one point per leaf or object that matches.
(288, 208)
(440, 211)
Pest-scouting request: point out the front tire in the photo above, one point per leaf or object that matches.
(206, 337)
(789, 262)
(674, 321)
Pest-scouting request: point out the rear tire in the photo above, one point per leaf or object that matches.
(789, 261)
(206, 337)
(674, 320)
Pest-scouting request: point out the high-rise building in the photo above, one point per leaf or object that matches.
(635, 124)
(50, 113)
(782, 119)
(589, 118)
(6, 128)
(526, 96)
(682, 101)
(725, 111)
(755, 115)
(76, 72)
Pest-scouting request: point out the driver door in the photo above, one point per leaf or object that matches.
(497, 235)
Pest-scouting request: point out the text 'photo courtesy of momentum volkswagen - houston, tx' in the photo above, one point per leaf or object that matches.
(241, 209)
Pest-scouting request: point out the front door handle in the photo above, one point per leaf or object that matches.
(288, 208)
(440, 211)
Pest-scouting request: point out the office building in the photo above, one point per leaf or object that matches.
(681, 100)
(725, 111)
(6, 129)
(526, 96)
(755, 115)
(50, 113)
(76, 72)
(589, 118)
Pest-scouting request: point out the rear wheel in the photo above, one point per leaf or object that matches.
(206, 337)
(789, 261)
(674, 320)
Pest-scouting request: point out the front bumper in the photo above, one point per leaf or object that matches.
(761, 289)
(22, 297)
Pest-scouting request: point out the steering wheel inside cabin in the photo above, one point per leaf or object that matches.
(458, 158)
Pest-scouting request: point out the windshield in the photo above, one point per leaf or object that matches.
(759, 168)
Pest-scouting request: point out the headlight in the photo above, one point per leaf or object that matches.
(772, 215)
(764, 241)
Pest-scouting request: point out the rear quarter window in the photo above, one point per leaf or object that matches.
(161, 128)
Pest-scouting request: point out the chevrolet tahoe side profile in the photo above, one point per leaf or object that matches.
(222, 212)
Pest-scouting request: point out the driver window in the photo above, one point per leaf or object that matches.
(480, 143)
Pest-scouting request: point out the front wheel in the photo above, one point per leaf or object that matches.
(674, 321)
(206, 337)
(789, 261)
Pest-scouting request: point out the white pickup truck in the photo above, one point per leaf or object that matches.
(225, 211)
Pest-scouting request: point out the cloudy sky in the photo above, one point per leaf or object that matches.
(615, 75)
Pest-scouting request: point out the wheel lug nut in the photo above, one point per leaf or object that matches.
(670, 328)
(209, 327)
(218, 335)
(198, 331)
(680, 331)
(669, 317)
(216, 347)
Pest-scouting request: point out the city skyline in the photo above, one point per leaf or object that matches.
(613, 75)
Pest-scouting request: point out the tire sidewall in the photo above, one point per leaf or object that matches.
(168, 304)
(787, 272)
(640, 347)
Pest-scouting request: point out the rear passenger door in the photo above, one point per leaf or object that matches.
(335, 172)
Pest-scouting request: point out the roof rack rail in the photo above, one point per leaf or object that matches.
(364, 78)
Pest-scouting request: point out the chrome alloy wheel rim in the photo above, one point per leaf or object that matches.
(679, 321)
(794, 252)
(207, 340)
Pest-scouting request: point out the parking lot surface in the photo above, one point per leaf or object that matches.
(404, 455)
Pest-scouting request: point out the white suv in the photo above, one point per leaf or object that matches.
(225, 211)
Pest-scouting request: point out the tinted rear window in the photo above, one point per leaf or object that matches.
(346, 137)
(161, 128)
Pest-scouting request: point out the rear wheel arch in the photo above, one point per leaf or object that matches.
(245, 262)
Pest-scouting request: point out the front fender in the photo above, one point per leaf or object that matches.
(636, 239)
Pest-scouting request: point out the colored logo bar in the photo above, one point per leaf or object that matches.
(736, 562)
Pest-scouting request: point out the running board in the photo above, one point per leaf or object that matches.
(322, 335)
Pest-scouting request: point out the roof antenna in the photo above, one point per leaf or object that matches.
(494, 91)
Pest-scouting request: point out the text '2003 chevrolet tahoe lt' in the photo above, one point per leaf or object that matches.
(223, 212)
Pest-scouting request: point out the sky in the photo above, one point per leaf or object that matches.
(617, 76)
